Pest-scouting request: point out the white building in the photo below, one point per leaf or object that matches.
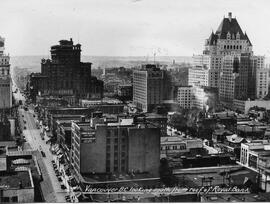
(191, 97)
(201, 60)
(198, 76)
(5, 78)
(148, 85)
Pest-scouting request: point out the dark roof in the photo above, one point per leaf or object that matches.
(15, 179)
(226, 26)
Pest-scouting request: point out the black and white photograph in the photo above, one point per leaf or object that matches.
(134, 101)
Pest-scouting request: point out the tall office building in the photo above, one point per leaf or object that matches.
(65, 76)
(5, 78)
(148, 87)
(233, 68)
(262, 77)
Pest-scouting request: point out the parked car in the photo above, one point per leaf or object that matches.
(63, 187)
(43, 154)
(24, 127)
(76, 188)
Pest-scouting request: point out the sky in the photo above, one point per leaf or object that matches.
(128, 27)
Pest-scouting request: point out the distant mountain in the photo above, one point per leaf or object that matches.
(33, 62)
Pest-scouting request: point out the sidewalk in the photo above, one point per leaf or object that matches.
(65, 179)
(46, 185)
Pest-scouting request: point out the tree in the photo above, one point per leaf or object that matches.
(178, 121)
(166, 174)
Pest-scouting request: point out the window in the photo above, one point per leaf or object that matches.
(5, 199)
(14, 199)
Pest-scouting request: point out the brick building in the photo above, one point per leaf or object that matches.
(64, 75)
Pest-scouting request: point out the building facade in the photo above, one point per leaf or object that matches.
(191, 97)
(233, 68)
(5, 78)
(64, 75)
(262, 77)
(198, 76)
(116, 147)
(148, 87)
(255, 156)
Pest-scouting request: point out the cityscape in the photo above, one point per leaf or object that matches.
(156, 128)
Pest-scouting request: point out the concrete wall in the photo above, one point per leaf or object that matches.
(144, 150)
(93, 155)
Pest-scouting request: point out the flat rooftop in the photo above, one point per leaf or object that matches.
(115, 177)
(218, 176)
(16, 179)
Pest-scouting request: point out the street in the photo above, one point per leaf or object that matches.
(50, 184)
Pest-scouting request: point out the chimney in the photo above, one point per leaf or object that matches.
(230, 16)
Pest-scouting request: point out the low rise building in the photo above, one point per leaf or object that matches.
(256, 156)
(244, 106)
(170, 146)
(17, 186)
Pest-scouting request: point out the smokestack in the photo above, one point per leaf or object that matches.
(230, 16)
